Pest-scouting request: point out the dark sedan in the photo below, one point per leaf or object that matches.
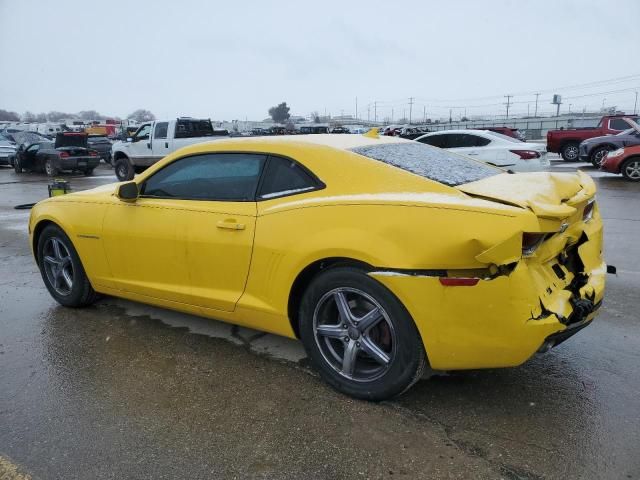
(595, 149)
(102, 145)
(68, 152)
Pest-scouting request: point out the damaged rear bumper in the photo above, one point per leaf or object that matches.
(503, 321)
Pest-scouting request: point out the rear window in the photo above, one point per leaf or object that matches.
(429, 162)
(190, 128)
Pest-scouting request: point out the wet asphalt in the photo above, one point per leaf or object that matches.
(123, 390)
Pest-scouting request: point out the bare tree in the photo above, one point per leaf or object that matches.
(141, 115)
(8, 116)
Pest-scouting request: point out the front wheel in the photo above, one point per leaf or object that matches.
(569, 152)
(359, 336)
(17, 165)
(597, 157)
(124, 169)
(631, 169)
(50, 168)
(62, 270)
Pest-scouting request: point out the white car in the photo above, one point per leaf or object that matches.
(491, 147)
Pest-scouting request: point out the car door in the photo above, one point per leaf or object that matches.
(160, 145)
(140, 145)
(189, 236)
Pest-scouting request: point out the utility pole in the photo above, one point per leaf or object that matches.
(375, 111)
(391, 114)
(535, 114)
(528, 105)
(368, 113)
(356, 107)
(424, 114)
(508, 97)
(410, 108)
(450, 115)
(635, 104)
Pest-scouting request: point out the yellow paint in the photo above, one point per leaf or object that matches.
(170, 252)
(11, 471)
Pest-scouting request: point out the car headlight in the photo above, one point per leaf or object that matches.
(616, 153)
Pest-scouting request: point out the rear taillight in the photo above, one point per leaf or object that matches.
(526, 154)
(458, 281)
(587, 213)
(531, 241)
(64, 154)
(93, 153)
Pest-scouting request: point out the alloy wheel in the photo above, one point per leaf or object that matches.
(58, 266)
(354, 334)
(632, 170)
(571, 152)
(599, 157)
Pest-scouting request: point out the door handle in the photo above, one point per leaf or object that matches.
(230, 224)
(472, 153)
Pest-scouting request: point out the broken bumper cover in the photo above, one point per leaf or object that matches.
(503, 321)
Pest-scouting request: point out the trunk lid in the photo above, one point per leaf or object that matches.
(548, 195)
(67, 139)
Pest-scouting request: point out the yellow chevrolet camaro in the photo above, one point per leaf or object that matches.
(382, 255)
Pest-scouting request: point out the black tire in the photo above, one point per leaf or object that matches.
(630, 169)
(88, 172)
(17, 165)
(394, 334)
(49, 167)
(139, 169)
(597, 156)
(570, 152)
(80, 293)
(123, 169)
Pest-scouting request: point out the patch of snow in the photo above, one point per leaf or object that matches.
(429, 162)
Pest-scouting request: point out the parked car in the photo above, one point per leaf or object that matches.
(509, 132)
(595, 149)
(490, 147)
(340, 130)
(102, 145)
(382, 255)
(566, 142)
(7, 150)
(154, 140)
(625, 161)
(68, 152)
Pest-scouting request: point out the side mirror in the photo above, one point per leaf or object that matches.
(129, 139)
(128, 192)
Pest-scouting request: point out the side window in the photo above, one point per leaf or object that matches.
(475, 141)
(439, 141)
(211, 176)
(284, 177)
(161, 130)
(143, 132)
(33, 148)
(618, 124)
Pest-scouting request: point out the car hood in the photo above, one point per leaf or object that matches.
(548, 195)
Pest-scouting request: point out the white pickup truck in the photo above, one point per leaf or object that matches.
(154, 140)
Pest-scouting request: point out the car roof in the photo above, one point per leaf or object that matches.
(342, 142)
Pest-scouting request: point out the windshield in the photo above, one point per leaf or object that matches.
(429, 162)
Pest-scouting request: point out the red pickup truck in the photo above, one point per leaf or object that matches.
(566, 142)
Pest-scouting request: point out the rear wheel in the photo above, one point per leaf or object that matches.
(631, 169)
(62, 270)
(569, 152)
(124, 169)
(359, 336)
(50, 167)
(17, 165)
(597, 156)
(88, 171)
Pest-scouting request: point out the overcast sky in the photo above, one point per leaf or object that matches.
(235, 59)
